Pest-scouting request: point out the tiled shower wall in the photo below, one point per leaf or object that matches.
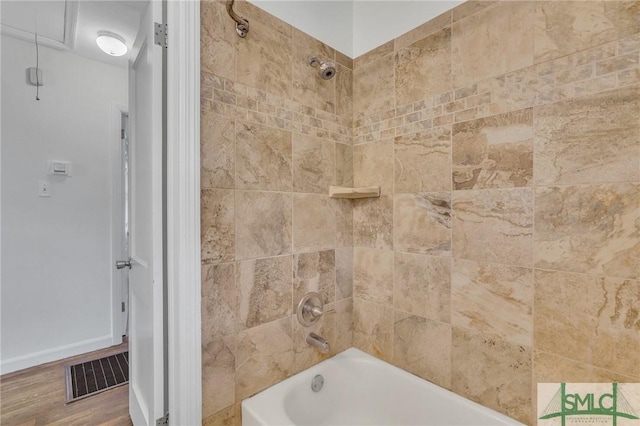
(505, 248)
(274, 137)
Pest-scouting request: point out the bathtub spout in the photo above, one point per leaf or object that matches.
(318, 342)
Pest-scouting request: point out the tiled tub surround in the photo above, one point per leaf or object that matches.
(505, 247)
(274, 137)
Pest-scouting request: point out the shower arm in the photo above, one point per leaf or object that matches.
(242, 25)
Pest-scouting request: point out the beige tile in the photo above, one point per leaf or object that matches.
(492, 299)
(628, 77)
(373, 87)
(218, 375)
(315, 271)
(549, 368)
(593, 139)
(422, 286)
(618, 63)
(491, 42)
(264, 59)
(264, 356)
(217, 151)
(565, 315)
(344, 92)
(216, 225)
(373, 275)
(314, 163)
(344, 60)
(344, 325)
(513, 91)
(263, 224)
(344, 273)
(344, 165)
(591, 229)
(343, 210)
(563, 27)
(423, 161)
(373, 56)
(228, 416)
(492, 372)
(430, 27)
(264, 290)
(308, 88)
(373, 222)
(423, 69)
(373, 165)
(588, 319)
(423, 347)
(218, 40)
(618, 324)
(494, 152)
(263, 157)
(219, 314)
(422, 223)
(373, 329)
(494, 225)
(314, 223)
(470, 7)
(629, 44)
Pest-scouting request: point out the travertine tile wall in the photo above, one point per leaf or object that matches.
(505, 248)
(274, 137)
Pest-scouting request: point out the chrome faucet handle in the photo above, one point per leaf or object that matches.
(317, 311)
(310, 309)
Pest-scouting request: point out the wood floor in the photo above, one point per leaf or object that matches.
(36, 396)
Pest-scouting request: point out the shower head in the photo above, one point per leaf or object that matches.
(326, 69)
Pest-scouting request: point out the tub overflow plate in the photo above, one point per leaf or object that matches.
(317, 383)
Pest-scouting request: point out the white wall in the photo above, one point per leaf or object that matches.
(329, 21)
(355, 27)
(377, 22)
(56, 252)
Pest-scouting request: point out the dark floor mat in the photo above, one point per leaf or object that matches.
(92, 377)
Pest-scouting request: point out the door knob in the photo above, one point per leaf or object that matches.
(121, 264)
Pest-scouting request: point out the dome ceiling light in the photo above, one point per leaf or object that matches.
(111, 44)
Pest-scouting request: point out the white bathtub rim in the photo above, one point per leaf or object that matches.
(253, 404)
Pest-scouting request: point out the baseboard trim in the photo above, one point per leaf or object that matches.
(54, 354)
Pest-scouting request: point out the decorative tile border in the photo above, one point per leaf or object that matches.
(237, 100)
(605, 67)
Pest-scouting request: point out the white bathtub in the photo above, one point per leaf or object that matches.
(362, 390)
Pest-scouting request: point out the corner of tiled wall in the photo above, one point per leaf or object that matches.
(507, 144)
(274, 137)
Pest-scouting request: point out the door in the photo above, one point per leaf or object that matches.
(147, 378)
(125, 179)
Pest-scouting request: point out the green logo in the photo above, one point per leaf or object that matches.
(613, 405)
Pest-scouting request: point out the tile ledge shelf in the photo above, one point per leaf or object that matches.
(353, 193)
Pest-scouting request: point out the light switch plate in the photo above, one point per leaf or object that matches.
(44, 188)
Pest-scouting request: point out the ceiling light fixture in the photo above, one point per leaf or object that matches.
(111, 44)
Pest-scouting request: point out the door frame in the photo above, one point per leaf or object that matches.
(183, 212)
(117, 223)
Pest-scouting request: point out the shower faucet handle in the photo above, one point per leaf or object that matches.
(310, 309)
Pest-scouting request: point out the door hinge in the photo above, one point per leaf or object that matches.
(160, 34)
(163, 421)
(121, 133)
(123, 306)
